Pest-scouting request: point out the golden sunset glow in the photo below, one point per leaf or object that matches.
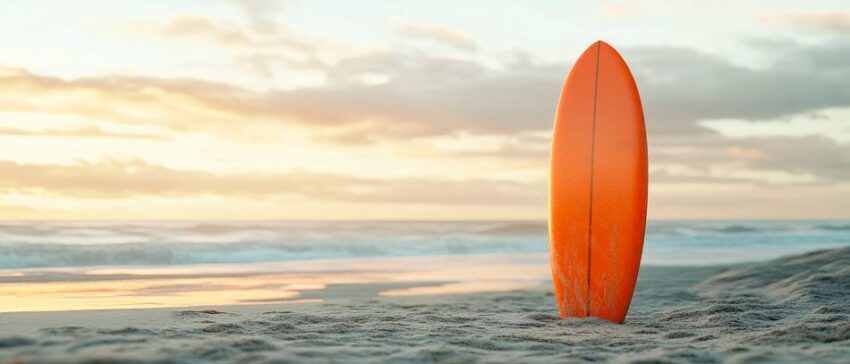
(265, 283)
(286, 110)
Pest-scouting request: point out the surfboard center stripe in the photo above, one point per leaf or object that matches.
(592, 150)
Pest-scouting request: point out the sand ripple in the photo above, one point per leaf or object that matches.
(790, 310)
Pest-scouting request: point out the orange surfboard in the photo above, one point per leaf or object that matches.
(598, 188)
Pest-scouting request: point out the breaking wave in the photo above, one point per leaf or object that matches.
(65, 244)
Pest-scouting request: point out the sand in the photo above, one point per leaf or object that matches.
(794, 309)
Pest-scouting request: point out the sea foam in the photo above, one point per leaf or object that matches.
(25, 244)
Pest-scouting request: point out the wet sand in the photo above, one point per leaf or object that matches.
(794, 309)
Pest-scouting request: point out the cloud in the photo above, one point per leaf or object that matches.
(422, 93)
(223, 33)
(424, 96)
(747, 201)
(258, 49)
(832, 123)
(84, 132)
(178, 104)
(437, 33)
(680, 87)
(228, 34)
(260, 13)
(124, 179)
(814, 155)
(832, 21)
(428, 96)
(774, 160)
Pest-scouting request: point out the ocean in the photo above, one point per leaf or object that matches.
(28, 244)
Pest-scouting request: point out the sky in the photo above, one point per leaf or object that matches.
(414, 110)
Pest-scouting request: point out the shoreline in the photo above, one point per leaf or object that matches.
(227, 284)
(786, 310)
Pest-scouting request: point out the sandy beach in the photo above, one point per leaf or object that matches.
(793, 309)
